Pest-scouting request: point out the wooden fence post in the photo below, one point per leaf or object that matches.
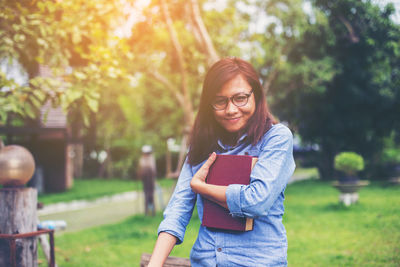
(18, 216)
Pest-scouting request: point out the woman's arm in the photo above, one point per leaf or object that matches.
(177, 215)
(269, 177)
(273, 169)
(164, 245)
(215, 193)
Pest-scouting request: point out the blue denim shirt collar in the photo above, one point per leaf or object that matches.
(225, 148)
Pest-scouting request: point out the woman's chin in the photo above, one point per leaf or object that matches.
(233, 128)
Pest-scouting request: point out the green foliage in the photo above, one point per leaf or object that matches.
(349, 162)
(391, 150)
(343, 91)
(391, 155)
(321, 232)
(78, 55)
(330, 72)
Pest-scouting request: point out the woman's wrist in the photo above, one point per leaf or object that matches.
(198, 186)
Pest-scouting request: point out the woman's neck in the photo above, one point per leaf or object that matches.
(231, 139)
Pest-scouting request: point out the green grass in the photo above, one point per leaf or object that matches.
(116, 245)
(306, 172)
(90, 189)
(320, 232)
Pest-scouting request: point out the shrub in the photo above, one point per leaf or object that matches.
(349, 163)
(391, 150)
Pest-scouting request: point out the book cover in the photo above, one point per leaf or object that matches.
(226, 170)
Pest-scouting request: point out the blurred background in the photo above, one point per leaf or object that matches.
(85, 84)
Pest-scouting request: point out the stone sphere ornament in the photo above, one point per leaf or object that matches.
(16, 165)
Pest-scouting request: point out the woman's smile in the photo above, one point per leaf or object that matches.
(233, 120)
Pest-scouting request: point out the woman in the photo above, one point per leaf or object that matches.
(233, 118)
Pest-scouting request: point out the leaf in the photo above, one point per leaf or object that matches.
(93, 104)
(80, 75)
(72, 95)
(39, 94)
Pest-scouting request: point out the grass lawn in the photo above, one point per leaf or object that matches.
(90, 189)
(320, 232)
(323, 233)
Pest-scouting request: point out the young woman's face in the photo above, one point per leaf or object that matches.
(234, 118)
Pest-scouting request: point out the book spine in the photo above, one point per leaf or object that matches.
(249, 224)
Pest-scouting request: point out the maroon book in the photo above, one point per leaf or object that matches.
(226, 170)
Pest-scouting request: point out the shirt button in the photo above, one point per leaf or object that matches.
(219, 249)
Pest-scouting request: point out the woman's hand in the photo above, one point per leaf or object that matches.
(199, 179)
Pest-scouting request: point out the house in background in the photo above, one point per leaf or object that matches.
(51, 147)
(58, 156)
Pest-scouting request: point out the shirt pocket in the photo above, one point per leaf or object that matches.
(252, 151)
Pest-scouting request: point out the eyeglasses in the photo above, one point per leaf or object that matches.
(239, 100)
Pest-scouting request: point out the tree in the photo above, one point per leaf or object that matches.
(47, 33)
(271, 41)
(176, 42)
(170, 46)
(354, 47)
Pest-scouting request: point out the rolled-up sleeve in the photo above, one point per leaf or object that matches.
(180, 207)
(269, 176)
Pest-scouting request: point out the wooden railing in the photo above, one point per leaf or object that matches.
(170, 262)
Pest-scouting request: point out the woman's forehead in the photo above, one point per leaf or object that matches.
(236, 85)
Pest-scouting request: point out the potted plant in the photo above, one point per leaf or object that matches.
(349, 163)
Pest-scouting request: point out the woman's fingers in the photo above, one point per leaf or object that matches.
(210, 161)
(200, 177)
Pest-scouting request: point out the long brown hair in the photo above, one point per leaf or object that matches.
(206, 130)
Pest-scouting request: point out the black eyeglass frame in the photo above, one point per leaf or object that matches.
(227, 99)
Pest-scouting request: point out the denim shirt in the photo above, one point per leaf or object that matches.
(262, 199)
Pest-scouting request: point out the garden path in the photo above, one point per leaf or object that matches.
(85, 214)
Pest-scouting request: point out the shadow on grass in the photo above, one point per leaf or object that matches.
(134, 234)
(336, 207)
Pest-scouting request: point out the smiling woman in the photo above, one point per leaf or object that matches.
(233, 119)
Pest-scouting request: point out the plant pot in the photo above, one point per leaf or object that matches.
(352, 187)
(349, 180)
(348, 191)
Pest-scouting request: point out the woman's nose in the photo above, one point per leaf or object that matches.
(231, 108)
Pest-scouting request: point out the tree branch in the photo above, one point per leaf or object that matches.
(269, 80)
(211, 52)
(162, 79)
(353, 36)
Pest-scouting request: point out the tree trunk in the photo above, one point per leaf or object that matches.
(187, 103)
(181, 158)
(184, 95)
(18, 216)
(325, 166)
(78, 160)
